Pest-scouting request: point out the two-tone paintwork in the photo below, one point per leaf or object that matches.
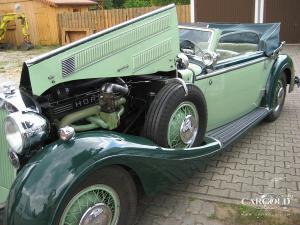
(232, 89)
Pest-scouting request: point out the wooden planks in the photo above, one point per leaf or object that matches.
(103, 19)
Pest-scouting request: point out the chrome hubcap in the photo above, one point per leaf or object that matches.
(99, 214)
(188, 130)
(183, 126)
(279, 96)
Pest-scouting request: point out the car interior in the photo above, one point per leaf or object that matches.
(233, 44)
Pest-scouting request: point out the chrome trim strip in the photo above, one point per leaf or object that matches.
(239, 66)
(218, 141)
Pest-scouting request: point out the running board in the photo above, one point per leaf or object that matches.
(231, 131)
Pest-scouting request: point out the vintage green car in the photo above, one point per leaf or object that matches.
(131, 109)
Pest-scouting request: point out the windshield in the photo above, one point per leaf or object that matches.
(200, 38)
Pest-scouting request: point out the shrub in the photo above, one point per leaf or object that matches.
(166, 2)
(108, 4)
(136, 3)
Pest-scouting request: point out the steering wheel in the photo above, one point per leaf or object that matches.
(191, 45)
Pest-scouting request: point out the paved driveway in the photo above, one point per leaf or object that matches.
(265, 160)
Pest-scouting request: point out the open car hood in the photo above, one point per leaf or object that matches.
(144, 45)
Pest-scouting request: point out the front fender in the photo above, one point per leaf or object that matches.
(282, 63)
(42, 185)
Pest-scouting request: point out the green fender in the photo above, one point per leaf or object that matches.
(282, 63)
(42, 185)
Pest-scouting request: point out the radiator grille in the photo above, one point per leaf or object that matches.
(116, 44)
(7, 172)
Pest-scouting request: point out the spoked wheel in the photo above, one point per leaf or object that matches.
(107, 197)
(97, 204)
(183, 126)
(176, 119)
(278, 98)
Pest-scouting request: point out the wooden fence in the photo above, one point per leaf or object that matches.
(75, 25)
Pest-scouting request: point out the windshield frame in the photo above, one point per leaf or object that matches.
(211, 46)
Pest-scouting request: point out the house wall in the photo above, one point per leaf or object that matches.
(42, 18)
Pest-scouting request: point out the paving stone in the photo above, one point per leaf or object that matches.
(239, 194)
(218, 192)
(254, 174)
(269, 169)
(231, 186)
(234, 172)
(238, 179)
(244, 167)
(227, 177)
(252, 188)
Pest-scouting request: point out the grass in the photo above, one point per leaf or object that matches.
(246, 215)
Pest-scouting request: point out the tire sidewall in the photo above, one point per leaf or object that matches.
(120, 181)
(275, 114)
(177, 96)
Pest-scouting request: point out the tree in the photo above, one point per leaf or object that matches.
(166, 2)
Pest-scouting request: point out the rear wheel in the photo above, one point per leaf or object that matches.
(177, 120)
(278, 98)
(107, 197)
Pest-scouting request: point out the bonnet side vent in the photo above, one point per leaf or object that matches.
(68, 66)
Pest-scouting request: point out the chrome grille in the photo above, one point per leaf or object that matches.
(7, 172)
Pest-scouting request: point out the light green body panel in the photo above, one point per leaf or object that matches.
(7, 172)
(232, 94)
(145, 45)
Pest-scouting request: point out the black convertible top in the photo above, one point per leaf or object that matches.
(268, 33)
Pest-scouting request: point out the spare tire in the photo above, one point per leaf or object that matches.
(176, 119)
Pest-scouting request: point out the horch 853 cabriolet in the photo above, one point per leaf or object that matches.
(129, 109)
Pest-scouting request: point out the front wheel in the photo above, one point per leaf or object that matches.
(278, 98)
(177, 119)
(107, 197)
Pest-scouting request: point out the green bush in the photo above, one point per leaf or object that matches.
(118, 3)
(166, 2)
(108, 4)
(136, 3)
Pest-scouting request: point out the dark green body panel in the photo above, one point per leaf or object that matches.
(282, 63)
(43, 183)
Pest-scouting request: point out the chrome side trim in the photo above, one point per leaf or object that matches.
(218, 141)
(235, 67)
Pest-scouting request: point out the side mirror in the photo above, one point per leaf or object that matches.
(182, 61)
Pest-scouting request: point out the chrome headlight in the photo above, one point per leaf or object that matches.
(25, 130)
(209, 58)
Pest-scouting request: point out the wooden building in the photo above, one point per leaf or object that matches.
(287, 12)
(42, 18)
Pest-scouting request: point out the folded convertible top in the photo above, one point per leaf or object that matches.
(267, 32)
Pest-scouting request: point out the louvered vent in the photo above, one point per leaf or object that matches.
(113, 45)
(68, 66)
(151, 55)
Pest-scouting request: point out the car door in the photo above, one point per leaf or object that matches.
(235, 88)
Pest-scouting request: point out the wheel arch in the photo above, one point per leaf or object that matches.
(60, 167)
(283, 64)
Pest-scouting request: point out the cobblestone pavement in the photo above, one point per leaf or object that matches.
(266, 159)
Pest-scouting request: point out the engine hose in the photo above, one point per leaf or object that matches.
(90, 114)
(121, 111)
(76, 116)
(97, 121)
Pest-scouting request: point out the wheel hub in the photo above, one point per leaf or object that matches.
(280, 96)
(188, 129)
(99, 214)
